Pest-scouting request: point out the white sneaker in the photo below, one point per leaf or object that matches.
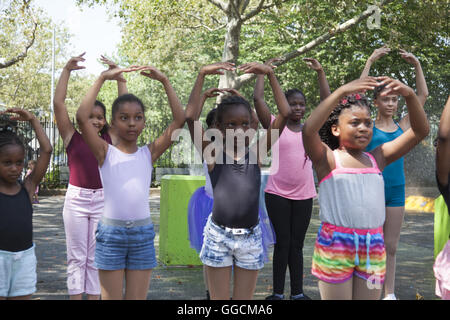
(390, 296)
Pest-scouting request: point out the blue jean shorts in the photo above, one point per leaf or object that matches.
(125, 245)
(223, 248)
(17, 273)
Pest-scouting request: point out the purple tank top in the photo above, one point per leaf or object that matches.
(83, 167)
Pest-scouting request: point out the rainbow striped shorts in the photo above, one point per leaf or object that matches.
(340, 253)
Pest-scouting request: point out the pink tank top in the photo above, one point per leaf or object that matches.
(291, 173)
(83, 167)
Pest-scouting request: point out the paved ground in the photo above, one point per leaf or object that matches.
(414, 260)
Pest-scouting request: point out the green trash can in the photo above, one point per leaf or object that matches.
(174, 246)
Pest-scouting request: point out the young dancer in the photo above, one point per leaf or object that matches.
(201, 202)
(125, 233)
(386, 129)
(17, 251)
(442, 264)
(232, 235)
(31, 165)
(290, 188)
(83, 205)
(349, 254)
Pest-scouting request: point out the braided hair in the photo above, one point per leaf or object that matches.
(8, 135)
(348, 102)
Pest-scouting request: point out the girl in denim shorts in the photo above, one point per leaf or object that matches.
(125, 235)
(17, 256)
(232, 235)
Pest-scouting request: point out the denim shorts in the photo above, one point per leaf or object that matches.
(17, 273)
(125, 245)
(222, 248)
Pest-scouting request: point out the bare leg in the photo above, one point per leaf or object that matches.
(219, 282)
(392, 228)
(205, 277)
(76, 296)
(336, 291)
(244, 283)
(137, 284)
(111, 283)
(364, 291)
(93, 297)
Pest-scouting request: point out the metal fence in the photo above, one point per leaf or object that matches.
(57, 175)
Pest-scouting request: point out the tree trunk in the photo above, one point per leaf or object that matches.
(231, 51)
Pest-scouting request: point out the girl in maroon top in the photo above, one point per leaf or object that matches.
(83, 205)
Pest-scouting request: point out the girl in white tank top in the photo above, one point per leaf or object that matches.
(126, 172)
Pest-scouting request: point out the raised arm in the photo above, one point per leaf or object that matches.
(210, 93)
(324, 87)
(121, 82)
(45, 148)
(262, 110)
(393, 150)
(376, 54)
(443, 146)
(163, 142)
(65, 126)
(421, 85)
(319, 153)
(284, 110)
(197, 99)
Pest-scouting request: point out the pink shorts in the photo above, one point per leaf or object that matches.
(83, 209)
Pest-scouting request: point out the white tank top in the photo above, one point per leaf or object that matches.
(353, 197)
(126, 180)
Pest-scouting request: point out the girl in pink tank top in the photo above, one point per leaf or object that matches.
(349, 255)
(83, 204)
(125, 235)
(290, 187)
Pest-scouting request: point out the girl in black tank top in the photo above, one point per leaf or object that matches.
(235, 182)
(16, 226)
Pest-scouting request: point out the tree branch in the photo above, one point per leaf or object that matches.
(219, 4)
(241, 80)
(255, 11)
(203, 25)
(24, 53)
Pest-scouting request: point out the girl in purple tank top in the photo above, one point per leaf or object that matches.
(349, 254)
(83, 204)
(125, 235)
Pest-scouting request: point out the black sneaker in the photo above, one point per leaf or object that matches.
(275, 297)
(301, 296)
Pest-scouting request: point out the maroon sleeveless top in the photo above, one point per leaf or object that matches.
(83, 167)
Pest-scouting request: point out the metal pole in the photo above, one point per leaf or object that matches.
(53, 76)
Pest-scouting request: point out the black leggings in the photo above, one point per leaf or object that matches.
(290, 220)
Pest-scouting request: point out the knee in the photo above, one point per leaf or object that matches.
(391, 247)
